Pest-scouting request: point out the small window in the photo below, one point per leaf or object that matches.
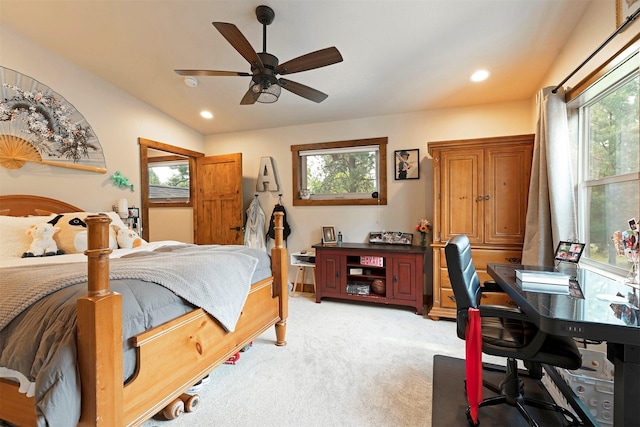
(340, 173)
(169, 179)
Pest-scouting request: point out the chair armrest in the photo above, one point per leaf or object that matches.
(514, 313)
(491, 286)
(498, 311)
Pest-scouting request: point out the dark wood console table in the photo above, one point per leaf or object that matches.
(344, 272)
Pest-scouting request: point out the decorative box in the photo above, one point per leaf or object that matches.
(376, 261)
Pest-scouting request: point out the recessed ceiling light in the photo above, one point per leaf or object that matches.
(206, 114)
(191, 81)
(479, 76)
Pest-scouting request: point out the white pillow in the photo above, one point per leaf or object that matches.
(14, 240)
(116, 220)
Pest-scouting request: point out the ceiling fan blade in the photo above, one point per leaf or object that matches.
(239, 42)
(302, 90)
(310, 61)
(248, 98)
(210, 73)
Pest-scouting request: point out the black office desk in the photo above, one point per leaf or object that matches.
(591, 318)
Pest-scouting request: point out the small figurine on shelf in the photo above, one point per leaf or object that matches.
(424, 227)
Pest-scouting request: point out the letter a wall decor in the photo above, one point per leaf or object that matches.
(38, 125)
(267, 178)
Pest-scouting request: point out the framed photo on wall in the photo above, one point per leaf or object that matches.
(407, 164)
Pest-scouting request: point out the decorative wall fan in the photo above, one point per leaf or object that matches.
(265, 86)
(38, 125)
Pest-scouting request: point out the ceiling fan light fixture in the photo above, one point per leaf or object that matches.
(266, 93)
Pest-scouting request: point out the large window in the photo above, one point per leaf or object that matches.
(608, 161)
(340, 173)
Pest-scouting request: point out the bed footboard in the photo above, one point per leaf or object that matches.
(191, 345)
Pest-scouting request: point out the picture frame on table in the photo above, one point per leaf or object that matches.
(569, 251)
(329, 235)
(624, 9)
(407, 164)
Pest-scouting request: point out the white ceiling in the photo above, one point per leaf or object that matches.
(399, 55)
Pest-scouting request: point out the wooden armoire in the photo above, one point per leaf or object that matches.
(480, 188)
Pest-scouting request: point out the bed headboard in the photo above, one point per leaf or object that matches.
(25, 205)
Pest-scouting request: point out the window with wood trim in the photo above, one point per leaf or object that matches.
(153, 154)
(169, 178)
(340, 173)
(605, 118)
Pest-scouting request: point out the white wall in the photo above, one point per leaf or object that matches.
(597, 24)
(117, 119)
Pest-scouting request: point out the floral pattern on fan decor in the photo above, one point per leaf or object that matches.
(32, 114)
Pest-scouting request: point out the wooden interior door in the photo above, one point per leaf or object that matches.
(461, 185)
(218, 205)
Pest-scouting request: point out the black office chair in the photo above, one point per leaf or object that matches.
(506, 332)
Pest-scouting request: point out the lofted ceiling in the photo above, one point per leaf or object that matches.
(399, 55)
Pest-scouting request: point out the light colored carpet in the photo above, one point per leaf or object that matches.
(345, 364)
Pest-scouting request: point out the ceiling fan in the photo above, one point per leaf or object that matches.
(265, 85)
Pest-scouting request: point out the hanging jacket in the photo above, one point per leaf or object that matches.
(287, 230)
(254, 228)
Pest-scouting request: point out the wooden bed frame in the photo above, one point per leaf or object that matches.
(191, 345)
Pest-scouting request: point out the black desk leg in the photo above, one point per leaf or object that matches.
(626, 386)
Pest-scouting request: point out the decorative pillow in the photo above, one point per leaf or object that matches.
(72, 237)
(13, 230)
(127, 238)
(115, 219)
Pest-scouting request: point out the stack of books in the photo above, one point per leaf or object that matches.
(543, 281)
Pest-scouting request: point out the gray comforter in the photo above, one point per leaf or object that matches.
(39, 342)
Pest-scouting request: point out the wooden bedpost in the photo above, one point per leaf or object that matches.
(100, 335)
(280, 264)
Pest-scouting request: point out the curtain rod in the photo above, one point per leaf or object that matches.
(620, 29)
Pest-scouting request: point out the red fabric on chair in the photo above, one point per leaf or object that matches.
(473, 364)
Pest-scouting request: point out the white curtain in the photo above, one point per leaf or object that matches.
(254, 235)
(551, 211)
